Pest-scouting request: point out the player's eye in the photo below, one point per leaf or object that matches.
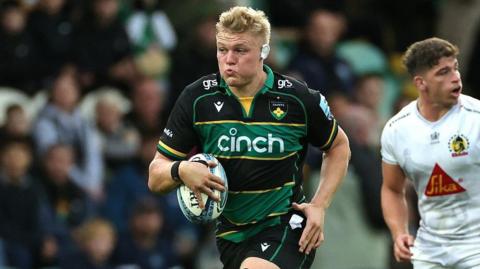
(444, 71)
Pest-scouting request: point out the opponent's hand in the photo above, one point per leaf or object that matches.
(198, 178)
(312, 235)
(401, 247)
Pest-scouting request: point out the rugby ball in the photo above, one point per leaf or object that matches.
(188, 201)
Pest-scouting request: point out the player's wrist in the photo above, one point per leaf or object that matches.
(175, 172)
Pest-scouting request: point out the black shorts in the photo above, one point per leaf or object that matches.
(277, 244)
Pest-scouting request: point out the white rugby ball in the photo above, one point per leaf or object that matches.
(189, 203)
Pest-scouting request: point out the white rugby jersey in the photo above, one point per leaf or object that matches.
(442, 159)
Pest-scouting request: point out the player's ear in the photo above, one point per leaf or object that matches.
(264, 51)
(419, 83)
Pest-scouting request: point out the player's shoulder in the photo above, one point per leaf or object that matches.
(403, 117)
(207, 83)
(290, 85)
(470, 104)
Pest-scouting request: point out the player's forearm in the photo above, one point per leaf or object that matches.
(159, 176)
(334, 168)
(395, 211)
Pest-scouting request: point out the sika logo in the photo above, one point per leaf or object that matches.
(458, 145)
(441, 184)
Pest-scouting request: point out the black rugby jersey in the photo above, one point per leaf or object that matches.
(262, 149)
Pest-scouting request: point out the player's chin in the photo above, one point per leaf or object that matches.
(232, 81)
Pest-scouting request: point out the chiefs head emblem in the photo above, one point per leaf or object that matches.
(458, 145)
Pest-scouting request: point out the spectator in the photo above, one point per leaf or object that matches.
(16, 125)
(369, 92)
(199, 50)
(102, 49)
(129, 186)
(52, 28)
(60, 121)
(152, 36)
(19, 222)
(65, 206)
(316, 60)
(96, 240)
(120, 140)
(18, 53)
(146, 244)
(148, 112)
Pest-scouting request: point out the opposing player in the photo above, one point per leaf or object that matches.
(258, 124)
(435, 142)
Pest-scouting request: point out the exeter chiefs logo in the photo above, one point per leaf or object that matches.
(458, 145)
(278, 109)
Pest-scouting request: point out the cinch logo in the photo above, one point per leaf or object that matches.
(209, 83)
(441, 183)
(258, 144)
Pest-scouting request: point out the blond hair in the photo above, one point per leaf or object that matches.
(244, 19)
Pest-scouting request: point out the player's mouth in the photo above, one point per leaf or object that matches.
(229, 72)
(457, 91)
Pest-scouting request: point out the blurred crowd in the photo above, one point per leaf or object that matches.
(87, 85)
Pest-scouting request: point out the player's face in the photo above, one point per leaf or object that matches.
(238, 56)
(442, 83)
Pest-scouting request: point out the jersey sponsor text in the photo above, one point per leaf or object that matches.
(259, 144)
(441, 183)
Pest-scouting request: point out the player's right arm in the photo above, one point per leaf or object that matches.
(395, 210)
(194, 175)
(159, 175)
(178, 138)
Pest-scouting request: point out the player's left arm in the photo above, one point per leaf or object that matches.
(334, 168)
(324, 132)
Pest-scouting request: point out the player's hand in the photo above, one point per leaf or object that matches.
(312, 235)
(198, 178)
(401, 247)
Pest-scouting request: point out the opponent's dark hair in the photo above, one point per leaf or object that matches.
(425, 54)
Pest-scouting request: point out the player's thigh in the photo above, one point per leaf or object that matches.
(470, 259)
(257, 263)
(427, 265)
(279, 244)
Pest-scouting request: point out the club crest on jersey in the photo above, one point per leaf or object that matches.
(440, 183)
(278, 109)
(458, 145)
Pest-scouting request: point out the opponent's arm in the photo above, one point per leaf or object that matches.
(395, 210)
(194, 175)
(334, 168)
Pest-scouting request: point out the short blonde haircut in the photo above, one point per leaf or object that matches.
(245, 19)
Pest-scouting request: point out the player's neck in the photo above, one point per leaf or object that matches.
(251, 88)
(431, 111)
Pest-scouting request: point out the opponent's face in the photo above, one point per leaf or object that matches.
(441, 85)
(238, 56)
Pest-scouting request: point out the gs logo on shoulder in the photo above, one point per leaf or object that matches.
(284, 83)
(278, 109)
(209, 83)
